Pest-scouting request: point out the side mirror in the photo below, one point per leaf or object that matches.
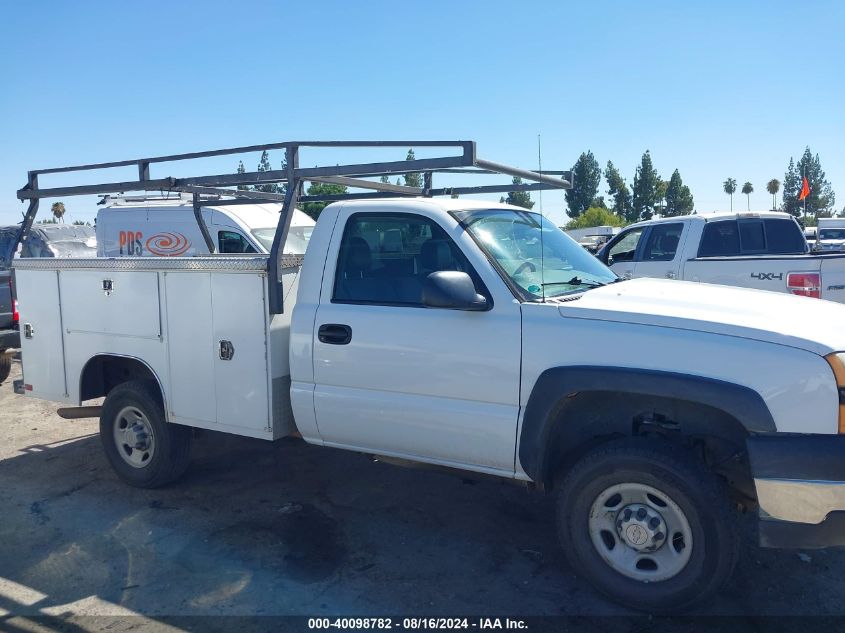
(452, 290)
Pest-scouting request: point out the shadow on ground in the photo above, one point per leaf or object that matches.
(285, 528)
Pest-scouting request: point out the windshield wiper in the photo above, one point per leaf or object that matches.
(575, 281)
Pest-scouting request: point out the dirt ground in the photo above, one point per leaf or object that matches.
(259, 528)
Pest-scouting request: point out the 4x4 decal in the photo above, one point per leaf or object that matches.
(767, 276)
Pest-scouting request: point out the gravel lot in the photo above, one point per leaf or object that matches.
(285, 528)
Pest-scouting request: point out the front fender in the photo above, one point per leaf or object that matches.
(555, 385)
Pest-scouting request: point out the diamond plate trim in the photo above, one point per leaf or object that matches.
(222, 262)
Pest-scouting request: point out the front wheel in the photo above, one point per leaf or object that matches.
(143, 448)
(647, 524)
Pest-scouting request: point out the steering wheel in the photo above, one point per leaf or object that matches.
(523, 266)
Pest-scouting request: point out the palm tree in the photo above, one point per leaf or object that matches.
(730, 187)
(773, 186)
(58, 210)
(748, 189)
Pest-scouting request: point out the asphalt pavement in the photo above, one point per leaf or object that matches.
(259, 528)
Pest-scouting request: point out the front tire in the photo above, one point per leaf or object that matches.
(143, 448)
(647, 524)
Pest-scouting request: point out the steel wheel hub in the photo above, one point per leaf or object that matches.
(134, 438)
(641, 527)
(640, 532)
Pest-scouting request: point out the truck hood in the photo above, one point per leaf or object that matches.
(810, 324)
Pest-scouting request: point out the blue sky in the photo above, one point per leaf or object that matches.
(715, 89)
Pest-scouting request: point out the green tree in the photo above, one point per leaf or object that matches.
(385, 179)
(678, 197)
(791, 188)
(242, 170)
(264, 165)
(773, 186)
(748, 189)
(645, 196)
(618, 190)
(662, 186)
(81, 223)
(821, 199)
(586, 177)
(518, 198)
(314, 209)
(58, 211)
(730, 188)
(595, 216)
(413, 179)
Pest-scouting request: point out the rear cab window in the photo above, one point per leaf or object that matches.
(769, 236)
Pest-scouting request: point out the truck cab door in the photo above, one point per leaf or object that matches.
(394, 377)
(661, 250)
(620, 253)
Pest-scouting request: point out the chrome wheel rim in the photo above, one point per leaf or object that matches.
(640, 532)
(133, 437)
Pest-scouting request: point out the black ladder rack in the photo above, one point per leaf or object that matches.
(351, 175)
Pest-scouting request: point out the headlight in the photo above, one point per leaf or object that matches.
(837, 364)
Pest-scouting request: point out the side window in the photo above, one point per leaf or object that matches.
(625, 248)
(783, 237)
(720, 239)
(752, 239)
(385, 258)
(233, 242)
(662, 243)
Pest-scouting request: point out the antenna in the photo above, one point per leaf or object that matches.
(540, 170)
(542, 246)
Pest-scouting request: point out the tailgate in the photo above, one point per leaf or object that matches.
(833, 278)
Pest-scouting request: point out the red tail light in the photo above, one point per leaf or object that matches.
(804, 284)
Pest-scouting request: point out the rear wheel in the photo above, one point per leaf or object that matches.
(647, 524)
(5, 365)
(143, 448)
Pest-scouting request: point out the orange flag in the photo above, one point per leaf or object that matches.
(805, 189)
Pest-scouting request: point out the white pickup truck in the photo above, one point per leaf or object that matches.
(475, 336)
(766, 251)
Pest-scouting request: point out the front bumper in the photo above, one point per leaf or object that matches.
(800, 482)
(9, 339)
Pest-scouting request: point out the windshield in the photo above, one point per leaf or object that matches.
(832, 234)
(298, 237)
(513, 241)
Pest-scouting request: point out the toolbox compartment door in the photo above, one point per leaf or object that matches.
(42, 342)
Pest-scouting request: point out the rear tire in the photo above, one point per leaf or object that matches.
(647, 524)
(143, 448)
(5, 365)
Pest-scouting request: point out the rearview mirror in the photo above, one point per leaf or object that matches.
(452, 290)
